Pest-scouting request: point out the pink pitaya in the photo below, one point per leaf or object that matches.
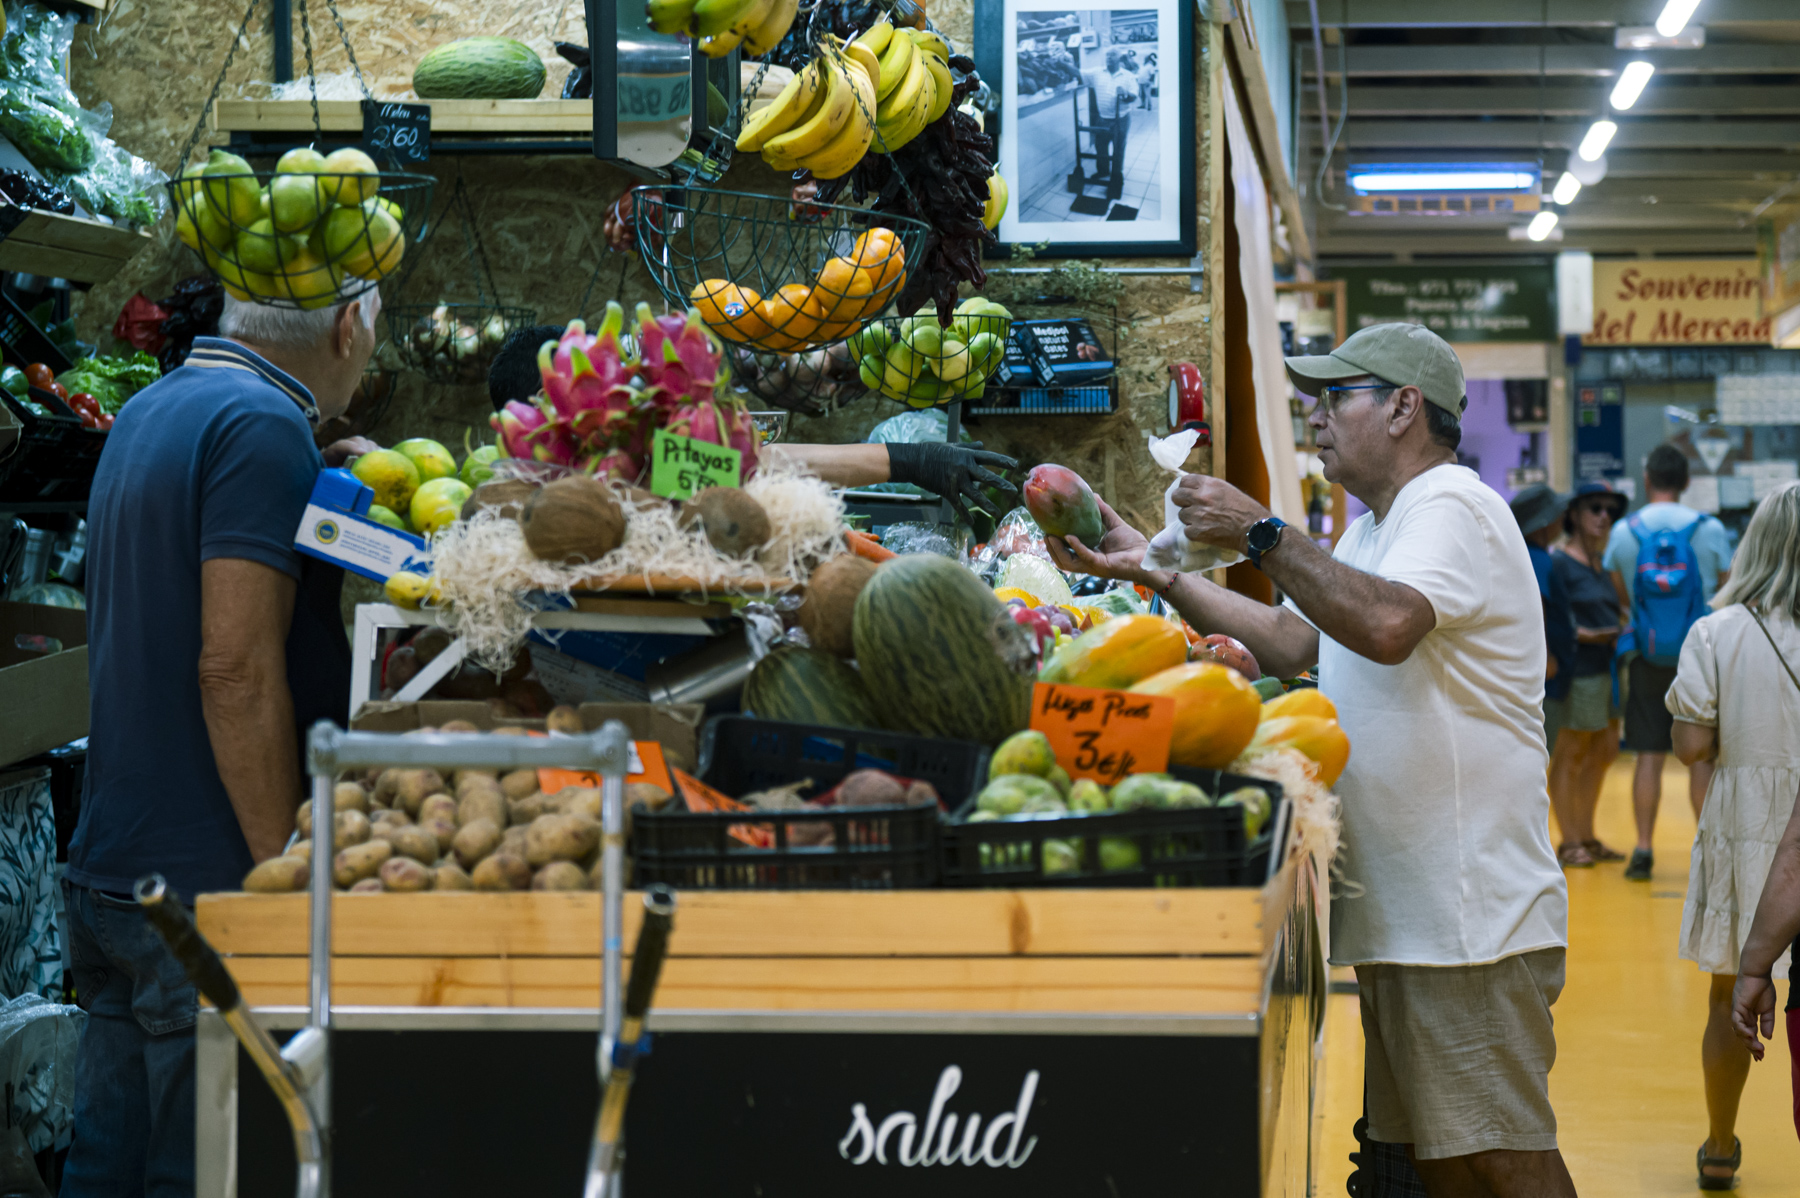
(679, 356)
(587, 382)
(527, 431)
(616, 464)
(740, 434)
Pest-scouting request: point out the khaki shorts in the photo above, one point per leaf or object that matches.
(1458, 1057)
(1587, 708)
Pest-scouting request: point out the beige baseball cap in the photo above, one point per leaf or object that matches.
(1394, 353)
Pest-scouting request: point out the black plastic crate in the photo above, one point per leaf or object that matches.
(1198, 846)
(859, 848)
(26, 343)
(56, 456)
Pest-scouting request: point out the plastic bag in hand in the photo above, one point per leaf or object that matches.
(1171, 549)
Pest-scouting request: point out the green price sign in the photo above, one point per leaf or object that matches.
(651, 99)
(679, 466)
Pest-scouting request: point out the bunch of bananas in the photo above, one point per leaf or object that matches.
(721, 26)
(998, 195)
(824, 119)
(913, 88)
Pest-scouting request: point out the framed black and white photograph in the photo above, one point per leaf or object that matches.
(1096, 125)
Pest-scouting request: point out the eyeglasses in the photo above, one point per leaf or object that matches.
(1332, 399)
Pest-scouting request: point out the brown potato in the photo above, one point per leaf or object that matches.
(301, 849)
(478, 805)
(459, 726)
(576, 800)
(523, 811)
(349, 796)
(559, 875)
(437, 806)
(511, 730)
(870, 788)
(513, 840)
(560, 838)
(303, 819)
(414, 786)
(359, 861)
(278, 875)
(596, 875)
(443, 830)
(648, 793)
(468, 783)
(475, 840)
(520, 784)
(410, 840)
(502, 871)
(565, 719)
(457, 777)
(351, 827)
(385, 787)
(368, 886)
(450, 876)
(404, 874)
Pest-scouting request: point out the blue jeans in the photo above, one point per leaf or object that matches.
(134, 1070)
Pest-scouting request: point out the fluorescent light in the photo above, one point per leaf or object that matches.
(1566, 188)
(1631, 83)
(1599, 136)
(1443, 180)
(1675, 16)
(1541, 224)
(1645, 37)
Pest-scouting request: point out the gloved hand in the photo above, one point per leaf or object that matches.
(951, 472)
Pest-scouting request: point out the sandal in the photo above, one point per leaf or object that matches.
(1701, 1161)
(1574, 856)
(1600, 852)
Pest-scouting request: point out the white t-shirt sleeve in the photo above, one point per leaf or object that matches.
(1694, 696)
(1621, 551)
(1440, 550)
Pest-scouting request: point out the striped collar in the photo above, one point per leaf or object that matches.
(217, 353)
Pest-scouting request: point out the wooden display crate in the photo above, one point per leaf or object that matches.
(487, 118)
(1139, 951)
(65, 247)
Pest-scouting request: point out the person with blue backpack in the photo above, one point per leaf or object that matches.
(1667, 560)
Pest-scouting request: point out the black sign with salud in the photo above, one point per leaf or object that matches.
(399, 131)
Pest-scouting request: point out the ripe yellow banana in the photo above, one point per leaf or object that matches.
(902, 125)
(773, 27)
(784, 111)
(871, 62)
(995, 208)
(877, 36)
(713, 17)
(930, 41)
(901, 96)
(940, 75)
(896, 61)
(720, 44)
(841, 154)
(669, 16)
(811, 135)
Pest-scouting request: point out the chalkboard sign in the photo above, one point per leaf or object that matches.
(399, 131)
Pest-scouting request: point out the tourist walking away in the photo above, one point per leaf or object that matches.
(1539, 510)
(1667, 560)
(1587, 716)
(1427, 628)
(193, 582)
(1735, 704)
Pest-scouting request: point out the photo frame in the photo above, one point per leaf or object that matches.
(1095, 130)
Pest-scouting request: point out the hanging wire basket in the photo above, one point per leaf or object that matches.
(453, 343)
(812, 382)
(768, 274)
(295, 240)
(923, 364)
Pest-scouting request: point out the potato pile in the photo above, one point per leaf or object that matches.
(407, 830)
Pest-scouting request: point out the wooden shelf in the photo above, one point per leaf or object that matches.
(64, 247)
(480, 118)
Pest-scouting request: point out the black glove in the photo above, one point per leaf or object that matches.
(950, 471)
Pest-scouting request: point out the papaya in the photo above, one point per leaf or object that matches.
(1316, 737)
(1216, 711)
(1309, 700)
(1063, 504)
(1117, 653)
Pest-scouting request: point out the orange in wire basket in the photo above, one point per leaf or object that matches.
(879, 252)
(785, 313)
(843, 290)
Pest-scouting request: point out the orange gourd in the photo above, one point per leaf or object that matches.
(1117, 653)
(1215, 711)
(1318, 738)
(1308, 700)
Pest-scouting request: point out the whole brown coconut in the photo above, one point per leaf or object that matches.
(508, 495)
(734, 523)
(573, 521)
(830, 604)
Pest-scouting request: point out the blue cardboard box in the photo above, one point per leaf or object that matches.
(337, 528)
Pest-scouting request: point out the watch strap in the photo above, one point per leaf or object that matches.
(1273, 525)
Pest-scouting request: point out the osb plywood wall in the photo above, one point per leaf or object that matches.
(540, 217)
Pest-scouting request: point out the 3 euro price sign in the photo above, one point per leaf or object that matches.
(680, 466)
(1103, 734)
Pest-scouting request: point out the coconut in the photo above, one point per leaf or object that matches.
(572, 521)
(735, 524)
(831, 602)
(508, 496)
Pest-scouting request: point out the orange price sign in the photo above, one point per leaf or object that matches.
(646, 764)
(1102, 734)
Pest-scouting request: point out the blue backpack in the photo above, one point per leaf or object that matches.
(1667, 594)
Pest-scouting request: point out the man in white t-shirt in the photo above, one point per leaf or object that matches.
(1428, 632)
(1648, 723)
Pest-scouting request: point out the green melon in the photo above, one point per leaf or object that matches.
(939, 654)
(480, 68)
(808, 686)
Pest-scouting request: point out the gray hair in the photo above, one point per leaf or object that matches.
(290, 328)
(1766, 572)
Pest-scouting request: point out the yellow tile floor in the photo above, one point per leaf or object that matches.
(1626, 1085)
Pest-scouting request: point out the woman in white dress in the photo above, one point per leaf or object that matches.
(1736, 701)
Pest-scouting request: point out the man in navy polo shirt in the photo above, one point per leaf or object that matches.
(212, 646)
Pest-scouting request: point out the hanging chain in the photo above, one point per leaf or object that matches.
(231, 53)
(472, 240)
(312, 73)
(350, 51)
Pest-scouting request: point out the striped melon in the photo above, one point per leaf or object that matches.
(939, 654)
(808, 686)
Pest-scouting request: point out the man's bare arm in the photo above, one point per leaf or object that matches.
(246, 609)
(1370, 616)
(1282, 643)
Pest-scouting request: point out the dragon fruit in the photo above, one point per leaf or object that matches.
(618, 464)
(527, 431)
(678, 357)
(586, 380)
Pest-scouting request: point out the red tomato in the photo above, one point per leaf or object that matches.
(40, 376)
(81, 399)
(88, 419)
(57, 389)
(106, 422)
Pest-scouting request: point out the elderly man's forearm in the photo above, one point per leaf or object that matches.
(1370, 616)
(250, 724)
